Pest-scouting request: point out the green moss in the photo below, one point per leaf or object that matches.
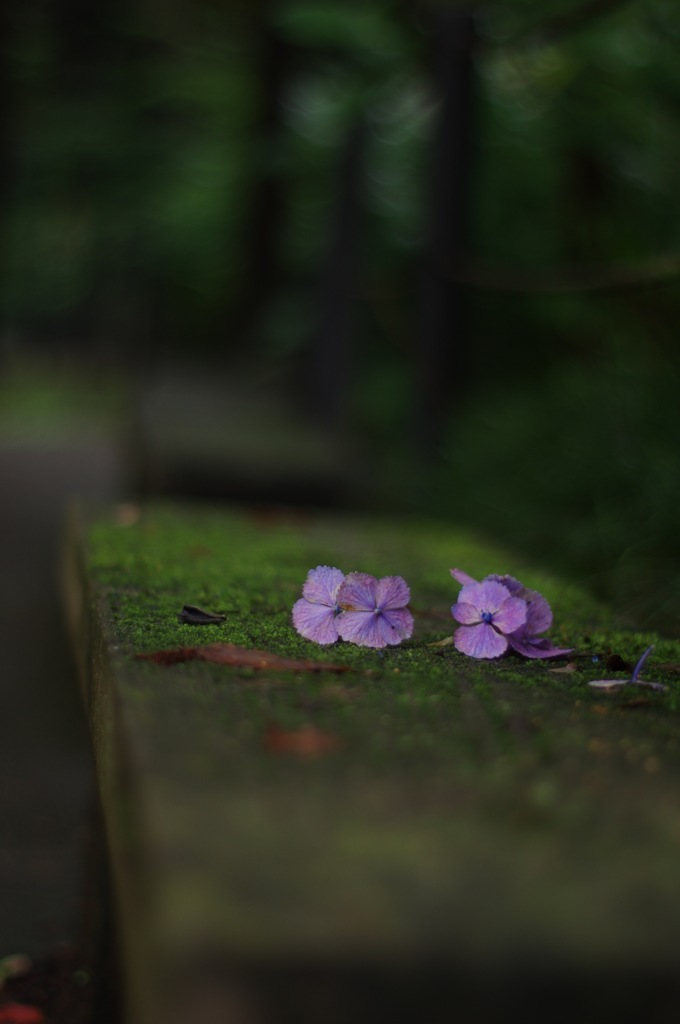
(440, 755)
(252, 568)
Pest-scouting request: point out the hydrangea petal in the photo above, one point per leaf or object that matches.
(363, 628)
(315, 622)
(368, 629)
(462, 577)
(392, 592)
(539, 614)
(465, 613)
(538, 648)
(486, 596)
(511, 615)
(358, 592)
(516, 588)
(480, 641)
(398, 624)
(322, 585)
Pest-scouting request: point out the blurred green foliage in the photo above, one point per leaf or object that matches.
(135, 159)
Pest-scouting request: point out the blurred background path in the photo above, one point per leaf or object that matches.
(45, 780)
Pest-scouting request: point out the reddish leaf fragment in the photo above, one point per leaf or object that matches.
(172, 657)
(21, 1013)
(308, 741)
(246, 657)
(240, 657)
(127, 514)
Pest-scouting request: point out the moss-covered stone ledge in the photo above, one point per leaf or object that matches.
(473, 830)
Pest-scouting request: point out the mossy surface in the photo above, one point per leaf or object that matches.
(505, 794)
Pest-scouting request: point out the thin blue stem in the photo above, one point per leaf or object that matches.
(643, 659)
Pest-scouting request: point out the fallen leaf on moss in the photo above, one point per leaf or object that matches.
(446, 642)
(564, 669)
(191, 615)
(615, 663)
(127, 514)
(616, 685)
(21, 1013)
(307, 741)
(240, 657)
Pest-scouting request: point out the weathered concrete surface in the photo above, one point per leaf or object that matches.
(489, 839)
(45, 761)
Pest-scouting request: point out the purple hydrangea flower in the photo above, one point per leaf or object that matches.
(374, 612)
(488, 613)
(525, 639)
(315, 614)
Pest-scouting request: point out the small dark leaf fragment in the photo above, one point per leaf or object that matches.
(193, 616)
(615, 663)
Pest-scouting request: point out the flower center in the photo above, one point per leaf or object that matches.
(487, 616)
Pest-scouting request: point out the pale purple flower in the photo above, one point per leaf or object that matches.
(488, 613)
(374, 612)
(525, 639)
(315, 614)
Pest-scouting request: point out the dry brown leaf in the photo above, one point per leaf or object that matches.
(564, 669)
(636, 702)
(127, 513)
(307, 741)
(240, 657)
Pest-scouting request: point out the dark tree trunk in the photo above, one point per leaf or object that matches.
(7, 147)
(266, 202)
(331, 351)
(444, 316)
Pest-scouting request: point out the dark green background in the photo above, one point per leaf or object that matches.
(136, 138)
